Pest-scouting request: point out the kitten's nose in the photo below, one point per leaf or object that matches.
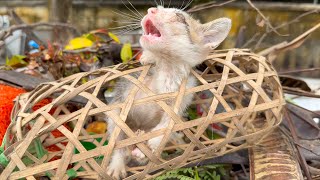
(152, 10)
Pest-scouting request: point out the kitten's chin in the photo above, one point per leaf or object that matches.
(150, 39)
(150, 43)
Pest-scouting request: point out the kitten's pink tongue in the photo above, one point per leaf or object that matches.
(151, 29)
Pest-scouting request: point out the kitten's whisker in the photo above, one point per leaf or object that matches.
(156, 3)
(137, 15)
(127, 16)
(131, 15)
(126, 26)
(188, 4)
(135, 9)
(121, 33)
(182, 5)
(169, 4)
(129, 25)
(125, 31)
(127, 22)
(132, 29)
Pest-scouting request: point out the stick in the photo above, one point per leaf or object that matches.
(291, 45)
(264, 17)
(9, 31)
(299, 70)
(29, 32)
(208, 5)
(284, 25)
(302, 160)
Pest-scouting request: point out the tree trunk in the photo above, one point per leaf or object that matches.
(60, 10)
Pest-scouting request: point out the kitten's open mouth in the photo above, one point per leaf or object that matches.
(151, 30)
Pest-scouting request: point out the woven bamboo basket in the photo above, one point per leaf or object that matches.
(238, 91)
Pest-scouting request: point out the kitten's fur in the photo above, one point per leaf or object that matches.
(176, 44)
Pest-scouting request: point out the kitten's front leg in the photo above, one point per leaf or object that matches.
(155, 142)
(117, 165)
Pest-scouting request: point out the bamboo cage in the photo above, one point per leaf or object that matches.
(238, 91)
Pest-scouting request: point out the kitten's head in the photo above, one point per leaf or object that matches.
(174, 33)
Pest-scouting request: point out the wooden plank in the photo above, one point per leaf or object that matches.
(276, 6)
(91, 3)
(20, 79)
(274, 158)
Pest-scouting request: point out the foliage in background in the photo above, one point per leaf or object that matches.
(16, 61)
(83, 53)
(208, 172)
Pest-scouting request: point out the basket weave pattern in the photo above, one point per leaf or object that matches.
(243, 85)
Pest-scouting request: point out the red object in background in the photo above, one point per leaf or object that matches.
(7, 95)
(137, 53)
(42, 103)
(139, 56)
(216, 126)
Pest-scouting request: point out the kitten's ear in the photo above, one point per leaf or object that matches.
(216, 31)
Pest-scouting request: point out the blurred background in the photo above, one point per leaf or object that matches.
(45, 40)
(96, 14)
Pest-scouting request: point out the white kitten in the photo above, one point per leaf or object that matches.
(174, 42)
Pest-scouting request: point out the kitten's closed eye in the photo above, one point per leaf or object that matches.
(181, 18)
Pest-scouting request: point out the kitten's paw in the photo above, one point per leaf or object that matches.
(117, 170)
(154, 143)
(137, 153)
(139, 157)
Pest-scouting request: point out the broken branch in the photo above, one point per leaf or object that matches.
(7, 32)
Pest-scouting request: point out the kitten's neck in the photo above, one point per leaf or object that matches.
(168, 74)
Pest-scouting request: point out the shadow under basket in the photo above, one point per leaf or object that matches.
(237, 102)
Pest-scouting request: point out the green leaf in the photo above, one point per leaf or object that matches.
(114, 37)
(84, 80)
(39, 148)
(214, 166)
(90, 36)
(3, 160)
(71, 173)
(87, 145)
(16, 61)
(217, 177)
(212, 135)
(126, 53)
(222, 171)
(185, 170)
(192, 113)
(196, 174)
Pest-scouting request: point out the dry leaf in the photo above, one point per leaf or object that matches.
(47, 57)
(260, 21)
(294, 83)
(33, 64)
(32, 73)
(97, 127)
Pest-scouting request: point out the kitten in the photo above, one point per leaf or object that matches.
(174, 43)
